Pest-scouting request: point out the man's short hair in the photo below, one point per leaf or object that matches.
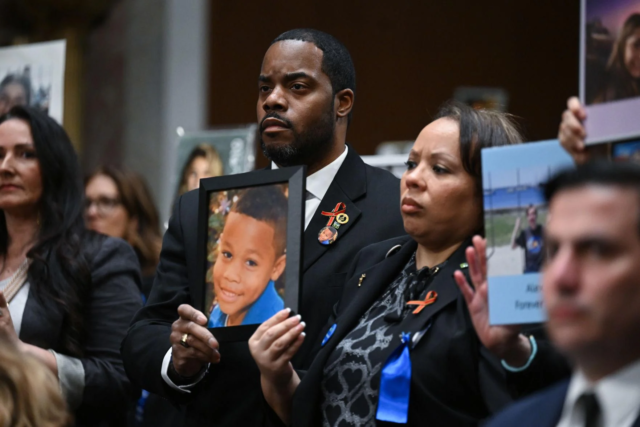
(336, 60)
(269, 204)
(625, 175)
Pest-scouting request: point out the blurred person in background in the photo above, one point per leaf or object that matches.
(15, 89)
(118, 203)
(29, 393)
(622, 74)
(203, 162)
(68, 294)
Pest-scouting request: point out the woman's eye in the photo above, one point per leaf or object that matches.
(439, 169)
(410, 164)
(29, 154)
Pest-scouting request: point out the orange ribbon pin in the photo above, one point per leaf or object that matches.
(428, 300)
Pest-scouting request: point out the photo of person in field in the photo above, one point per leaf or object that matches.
(251, 256)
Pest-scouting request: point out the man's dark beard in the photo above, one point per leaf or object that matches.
(306, 148)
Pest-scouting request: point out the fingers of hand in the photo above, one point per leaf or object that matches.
(282, 344)
(195, 331)
(481, 250)
(196, 350)
(463, 285)
(293, 348)
(186, 312)
(275, 332)
(277, 318)
(576, 108)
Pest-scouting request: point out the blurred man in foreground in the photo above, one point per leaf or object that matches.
(591, 291)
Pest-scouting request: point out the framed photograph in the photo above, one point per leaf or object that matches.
(33, 75)
(610, 69)
(250, 248)
(515, 212)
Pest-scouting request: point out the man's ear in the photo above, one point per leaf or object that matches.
(278, 267)
(344, 102)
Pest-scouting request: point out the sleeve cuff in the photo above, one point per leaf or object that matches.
(165, 375)
(534, 351)
(71, 377)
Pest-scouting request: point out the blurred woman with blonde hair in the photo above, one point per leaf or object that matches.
(29, 393)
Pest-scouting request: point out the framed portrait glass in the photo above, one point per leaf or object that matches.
(249, 248)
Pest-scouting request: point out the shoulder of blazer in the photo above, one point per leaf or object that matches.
(540, 409)
(377, 252)
(354, 176)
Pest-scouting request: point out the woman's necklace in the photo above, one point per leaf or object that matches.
(18, 279)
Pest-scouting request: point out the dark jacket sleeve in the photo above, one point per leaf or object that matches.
(115, 299)
(147, 340)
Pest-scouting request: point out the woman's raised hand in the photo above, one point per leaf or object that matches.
(504, 341)
(272, 346)
(572, 133)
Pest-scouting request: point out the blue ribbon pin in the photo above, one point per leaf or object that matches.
(330, 332)
(395, 384)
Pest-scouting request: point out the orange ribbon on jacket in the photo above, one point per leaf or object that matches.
(429, 299)
(339, 209)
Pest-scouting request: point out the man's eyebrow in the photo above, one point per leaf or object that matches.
(263, 78)
(296, 75)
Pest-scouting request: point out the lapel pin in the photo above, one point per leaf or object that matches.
(329, 233)
(431, 297)
(361, 279)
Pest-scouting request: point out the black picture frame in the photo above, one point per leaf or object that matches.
(294, 178)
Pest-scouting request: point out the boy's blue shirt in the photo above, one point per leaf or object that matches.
(262, 309)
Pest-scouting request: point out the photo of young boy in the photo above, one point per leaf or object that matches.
(248, 254)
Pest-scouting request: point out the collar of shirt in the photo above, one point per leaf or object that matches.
(319, 182)
(618, 395)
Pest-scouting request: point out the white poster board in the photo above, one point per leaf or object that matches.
(33, 75)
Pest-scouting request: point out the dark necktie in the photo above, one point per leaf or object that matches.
(591, 409)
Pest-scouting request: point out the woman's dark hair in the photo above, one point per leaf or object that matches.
(58, 272)
(479, 129)
(619, 83)
(136, 198)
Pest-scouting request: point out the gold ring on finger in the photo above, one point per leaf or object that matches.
(183, 340)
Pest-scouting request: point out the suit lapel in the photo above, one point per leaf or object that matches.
(313, 249)
(378, 278)
(349, 184)
(445, 287)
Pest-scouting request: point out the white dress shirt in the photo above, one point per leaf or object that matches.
(317, 186)
(618, 395)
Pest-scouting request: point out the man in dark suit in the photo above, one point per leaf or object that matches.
(592, 294)
(306, 95)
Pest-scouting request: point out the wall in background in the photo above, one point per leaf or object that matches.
(409, 58)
